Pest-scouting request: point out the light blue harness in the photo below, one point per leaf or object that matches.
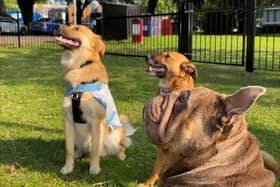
(103, 96)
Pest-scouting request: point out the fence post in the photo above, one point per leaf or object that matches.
(18, 29)
(185, 28)
(251, 30)
(99, 26)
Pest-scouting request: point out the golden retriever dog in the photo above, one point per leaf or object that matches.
(87, 101)
(176, 73)
(205, 142)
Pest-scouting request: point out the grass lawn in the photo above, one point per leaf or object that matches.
(31, 124)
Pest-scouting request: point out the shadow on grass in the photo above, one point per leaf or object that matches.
(228, 76)
(47, 156)
(26, 127)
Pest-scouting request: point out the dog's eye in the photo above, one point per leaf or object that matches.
(167, 55)
(184, 96)
(77, 28)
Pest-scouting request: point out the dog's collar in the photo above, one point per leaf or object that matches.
(86, 63)
(89, 82)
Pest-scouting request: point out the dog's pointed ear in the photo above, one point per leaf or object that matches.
(190, 69)
(242, 100)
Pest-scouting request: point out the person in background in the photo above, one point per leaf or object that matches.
(96, 12)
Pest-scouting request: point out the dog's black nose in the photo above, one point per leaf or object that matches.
(58, 30)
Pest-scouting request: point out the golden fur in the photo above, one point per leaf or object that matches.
(176, 73)
(206, 142)
(93, 138)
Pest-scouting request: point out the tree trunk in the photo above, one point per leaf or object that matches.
(2, 8)
(26, 7)
(152, 4)
(79, 11)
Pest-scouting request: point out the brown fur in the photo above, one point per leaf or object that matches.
(180, 71)
(179, 75)
(93, 138)
(210, 145)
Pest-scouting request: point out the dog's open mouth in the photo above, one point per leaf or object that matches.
(68, 42)
(156, 68)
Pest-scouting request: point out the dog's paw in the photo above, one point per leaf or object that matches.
(121, 155)
(94, 170)
(66, 169)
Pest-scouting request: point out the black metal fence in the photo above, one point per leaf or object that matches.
(231, 32)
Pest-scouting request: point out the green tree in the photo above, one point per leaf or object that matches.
(158, 6)
(2, 8)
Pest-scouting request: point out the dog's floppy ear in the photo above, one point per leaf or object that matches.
(190, 69)
(100, 47)
(242, 100)
(168, 126)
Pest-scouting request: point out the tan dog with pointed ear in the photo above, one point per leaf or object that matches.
(206, 142)
(88, 130)
(176, 73)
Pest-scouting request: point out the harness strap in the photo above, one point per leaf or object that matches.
(76, 109)
(76, 94)
(101, 94)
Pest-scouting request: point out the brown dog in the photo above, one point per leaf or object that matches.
(206, 142)
(176, 73)
(86, 132)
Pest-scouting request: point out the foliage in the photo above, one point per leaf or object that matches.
(163, 6)
(2, 8)
(218, 4)
(12, 4)
(268, 2)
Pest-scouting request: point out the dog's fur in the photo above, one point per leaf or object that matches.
(176, 73)
(93, 138)
(205, 141)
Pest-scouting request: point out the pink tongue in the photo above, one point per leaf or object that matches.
(74, 43)
(70, 42)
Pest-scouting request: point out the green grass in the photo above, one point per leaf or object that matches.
(31, 123)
